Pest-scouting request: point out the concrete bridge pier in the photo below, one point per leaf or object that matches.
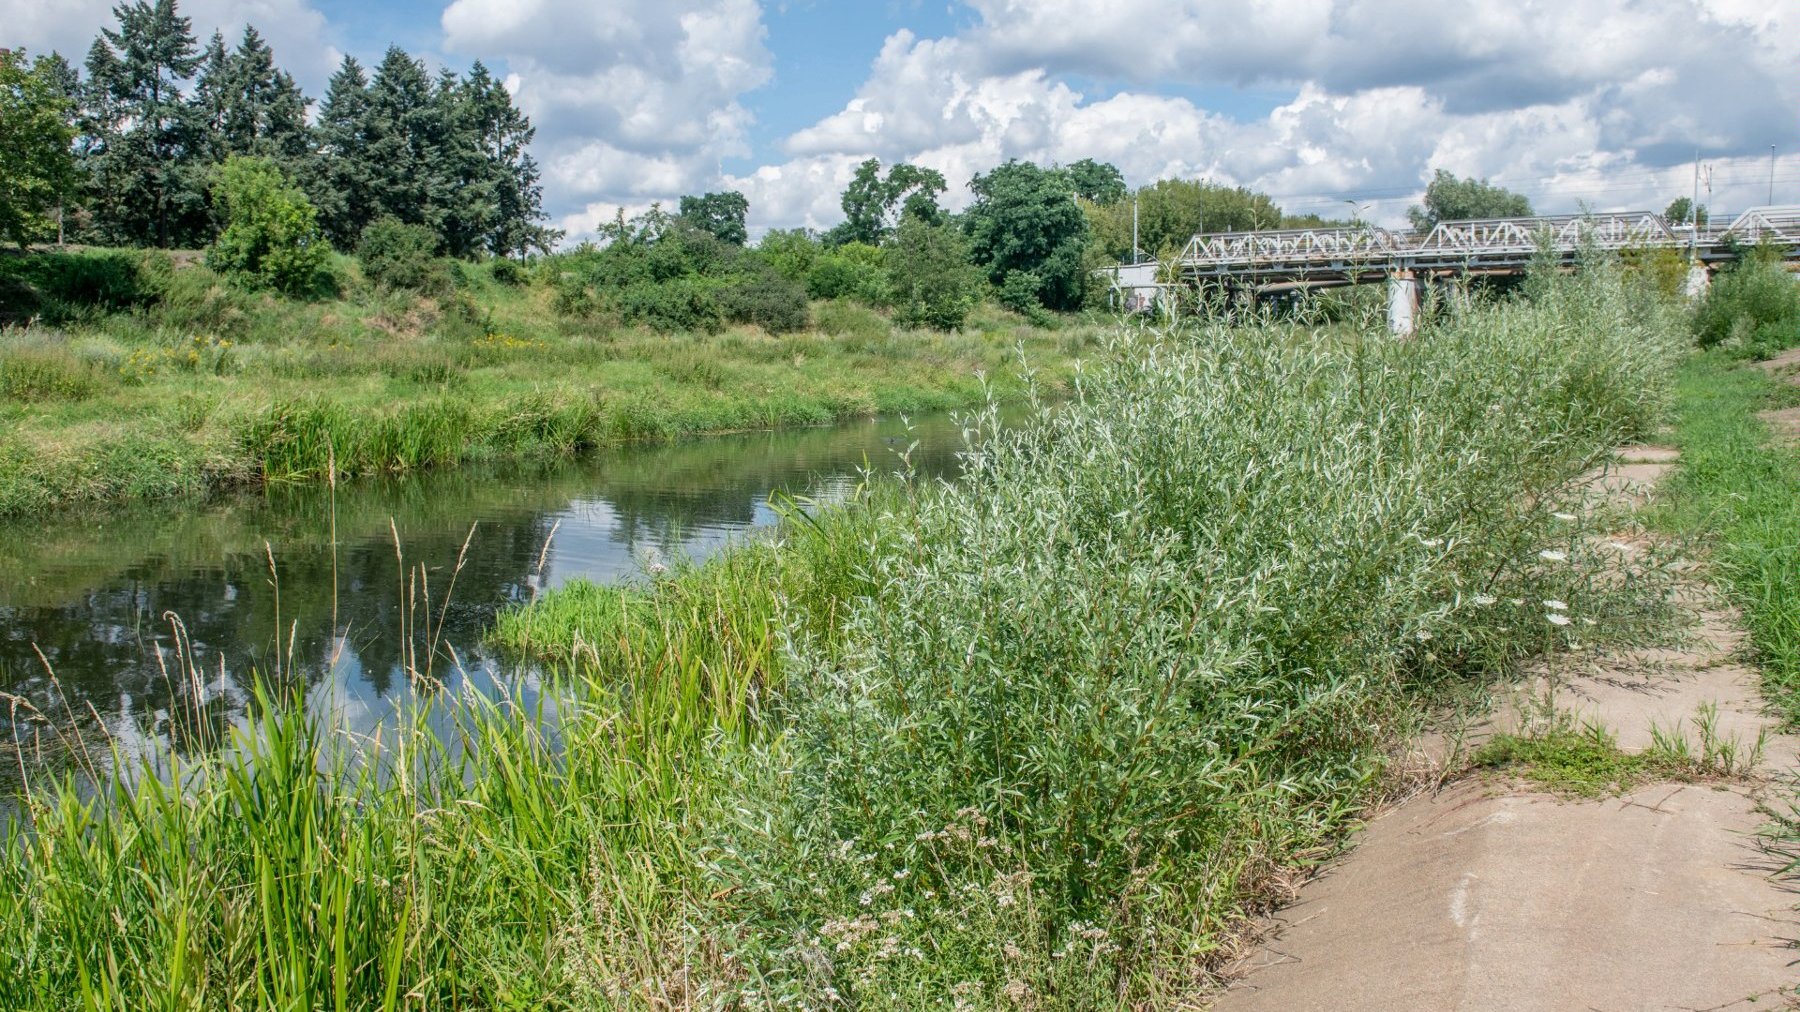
(1402, 303)
(1699, 279)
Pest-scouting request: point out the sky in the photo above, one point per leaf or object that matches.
(1338, 107)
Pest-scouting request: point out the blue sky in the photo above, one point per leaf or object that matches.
(1313, 101)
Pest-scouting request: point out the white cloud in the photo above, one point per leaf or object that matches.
(1596, 102)
(632, 100)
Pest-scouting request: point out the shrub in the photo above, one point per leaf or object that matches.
(1019, 292)
(931, 281)
(767, 300)
(62, 287)
(198, 299)
(852, 271)
(790, 252)
(674, 305)
(398, 255)
(271, 238)
(1134, 663)
(1755, 292)
(507, 271)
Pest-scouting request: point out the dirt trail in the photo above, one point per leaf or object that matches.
(1485, 896)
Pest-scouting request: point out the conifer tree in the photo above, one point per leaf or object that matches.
(267, 114)
(400, 125)
(150, 159)
(336, 174)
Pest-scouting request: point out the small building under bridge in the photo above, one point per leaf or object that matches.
(1255, 264)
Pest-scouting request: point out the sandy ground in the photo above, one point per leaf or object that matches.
(1489, 896)
(1785, 364)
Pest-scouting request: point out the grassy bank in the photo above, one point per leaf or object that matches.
(1035, 740)
(205, 385)
(1741, 490)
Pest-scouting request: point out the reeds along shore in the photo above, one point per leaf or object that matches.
(1035, 740)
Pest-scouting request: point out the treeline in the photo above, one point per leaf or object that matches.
(1032, 240)
(127, 151)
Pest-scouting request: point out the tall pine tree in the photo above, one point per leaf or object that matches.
(148, 166)
(402, 127)
(266, 113)
(336, 176)
(503, 134)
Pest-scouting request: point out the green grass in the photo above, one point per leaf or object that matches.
(1040, 738)
(1586, 761)
(1739, 490)
(212, 386)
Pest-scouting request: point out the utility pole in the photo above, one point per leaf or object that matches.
(1134, 229)
(1771, 175)
(1694, 214)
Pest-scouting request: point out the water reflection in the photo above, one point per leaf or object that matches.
(332, 588)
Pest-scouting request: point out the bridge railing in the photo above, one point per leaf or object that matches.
(1352, 254)
(1777, 224)
(1291, 246)
(1518, 236)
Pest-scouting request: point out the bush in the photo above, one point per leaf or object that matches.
(197, 299)
(930, 277)
(790, 252)
(403, 257)
(768, 300)
(852, 271)
(1754, 293)
(272, 238)
(507, 271)
(679, 304)
(60, 287)
(851, 320)
(1105, 687)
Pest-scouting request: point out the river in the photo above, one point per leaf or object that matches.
(138, 626)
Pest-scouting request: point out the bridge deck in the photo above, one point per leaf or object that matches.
(1504, 244)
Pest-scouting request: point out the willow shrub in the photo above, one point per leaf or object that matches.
(1160, 642)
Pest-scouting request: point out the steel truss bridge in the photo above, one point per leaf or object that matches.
(1325, 257)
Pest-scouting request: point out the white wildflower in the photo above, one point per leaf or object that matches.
(1563, 516)
(1424, 635)
(1557, 618)
(1483, 600)
(1553, 555)
(1554, 605)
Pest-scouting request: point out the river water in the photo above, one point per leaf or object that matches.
(136, 625)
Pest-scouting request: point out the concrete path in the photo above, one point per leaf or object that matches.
(1484, 896)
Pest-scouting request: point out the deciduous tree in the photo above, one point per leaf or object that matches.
(720, 214)
(1025, 221)
(37, 169)
(1449, 198)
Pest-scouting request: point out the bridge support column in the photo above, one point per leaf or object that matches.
(1403, 303)
(1699, 279)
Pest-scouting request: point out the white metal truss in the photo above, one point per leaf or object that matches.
(1338, 255)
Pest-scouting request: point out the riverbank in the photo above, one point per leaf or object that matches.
(210, 387)
(1042, 737)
